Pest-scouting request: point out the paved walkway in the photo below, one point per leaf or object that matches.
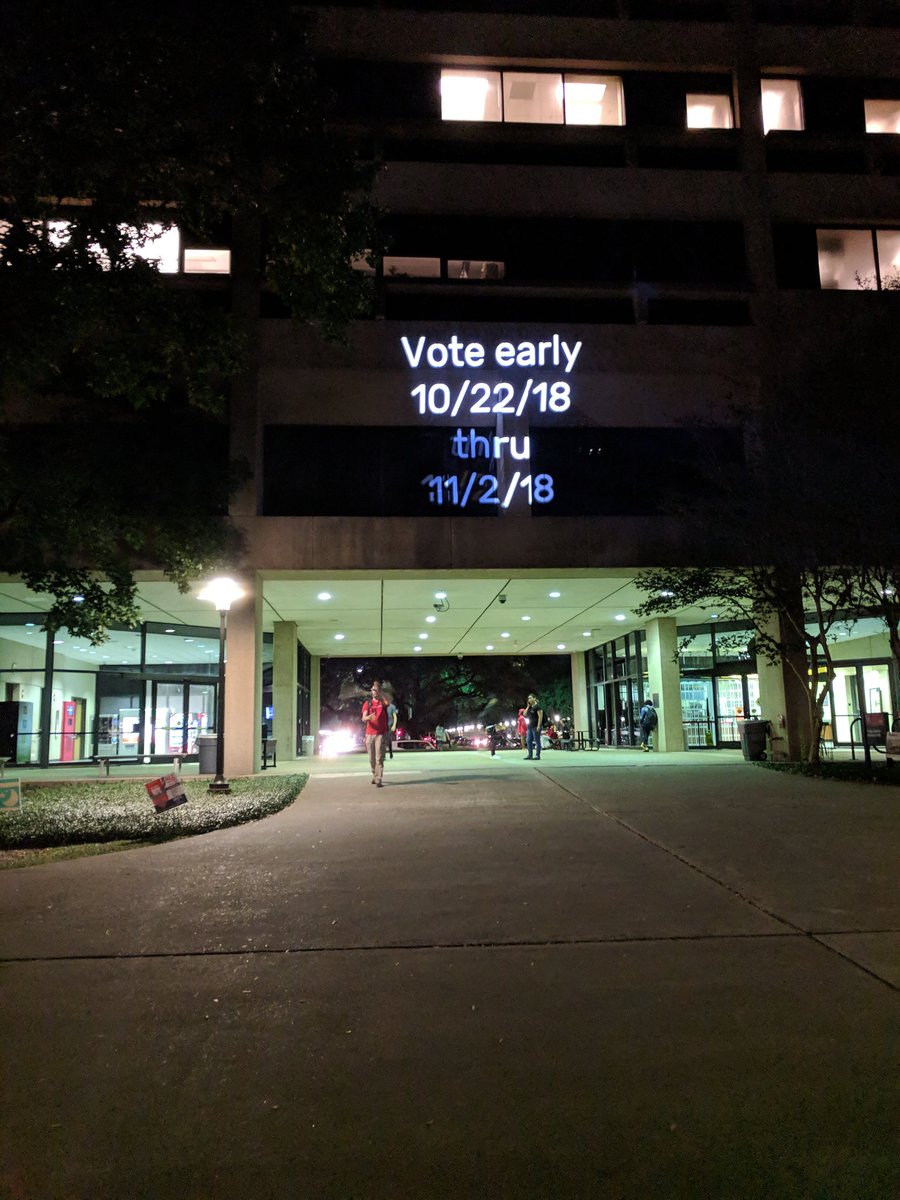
(619, 976)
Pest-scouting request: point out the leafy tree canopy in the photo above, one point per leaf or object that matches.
(118, 122)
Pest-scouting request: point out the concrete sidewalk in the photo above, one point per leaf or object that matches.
(491, 978)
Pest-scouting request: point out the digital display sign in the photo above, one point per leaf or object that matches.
(509, 482)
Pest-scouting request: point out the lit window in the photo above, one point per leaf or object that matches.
(414, 268)
(709, 112)
(470, 96)
(846, 259)
(594, 100)
(465, 268)
(536, 99)
(157, 245)
(882, 116)
(888, 242)
(782, 104)
(207, 262)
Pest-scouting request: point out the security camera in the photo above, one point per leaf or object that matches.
(502, 598)
(436, 606)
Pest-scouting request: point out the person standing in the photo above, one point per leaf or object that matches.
(534, 720)
(375, 720)
(648, 721)
(521, 727)
(392, 715)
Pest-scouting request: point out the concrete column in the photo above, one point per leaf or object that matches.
(782, 702)
(284, 688)
(579, 693)
(664, 680)
(243, 681)
(315, 697)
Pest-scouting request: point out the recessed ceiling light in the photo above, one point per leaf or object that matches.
(504, 635)
(587, 633)
(714, 616)
(430, 620)
(440, 595)
(168, 662)
(170, 631)
(417, 649)
(29, 624)
(619, 617)
(489, 647)
(423, 637)
(666, 592)
(526, 618)
(324, 596)
(78, 599)
(58, 643)
(188, 639)
(554, 595)
(338, 637)
(560, 645)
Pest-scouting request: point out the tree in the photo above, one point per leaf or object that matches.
(821, 553)
(120, 124)
(447, 691)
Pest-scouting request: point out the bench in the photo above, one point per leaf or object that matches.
(104, 760)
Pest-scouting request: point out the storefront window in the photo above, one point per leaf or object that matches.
(695, 651)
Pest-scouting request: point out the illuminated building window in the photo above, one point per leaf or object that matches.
(846, 258)
(888, 243)
(709, 111)
(471, 96)
(782, 105)
(413, 268)
(464, 268)
(532, 97)
(882, 116)
(207, 262)
(594, 100)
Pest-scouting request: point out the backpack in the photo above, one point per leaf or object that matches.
(649, 719)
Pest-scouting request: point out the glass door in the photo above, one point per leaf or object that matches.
(731, 708)
(176, 712)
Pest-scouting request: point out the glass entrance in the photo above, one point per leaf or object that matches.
(176, 712)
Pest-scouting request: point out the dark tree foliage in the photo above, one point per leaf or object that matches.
(447, 691)
(803, 538)
(115, 119)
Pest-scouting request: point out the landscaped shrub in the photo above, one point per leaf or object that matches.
(842, 772)
(68, 814)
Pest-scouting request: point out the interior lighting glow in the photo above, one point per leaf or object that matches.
(465, 95)
(78, 599)
(882, 116)
(583, 102)
(709, 112)
(666, 593)
(170, 631)
(58, 643)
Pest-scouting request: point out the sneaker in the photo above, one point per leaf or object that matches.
(372, 781)
(379, 784)
(527, 758)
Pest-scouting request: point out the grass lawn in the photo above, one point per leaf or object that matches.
(67, 820)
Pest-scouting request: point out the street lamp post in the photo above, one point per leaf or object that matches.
(222, 593)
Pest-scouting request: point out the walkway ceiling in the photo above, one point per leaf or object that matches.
(396, 614)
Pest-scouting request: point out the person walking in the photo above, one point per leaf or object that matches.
(375, 720)
(534, 720)
(648, 721)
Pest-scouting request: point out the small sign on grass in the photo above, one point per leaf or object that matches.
(166, 792)
(10, 795)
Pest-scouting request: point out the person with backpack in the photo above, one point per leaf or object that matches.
(648, 722)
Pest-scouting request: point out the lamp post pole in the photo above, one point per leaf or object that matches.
(220, 783)
(221, 593)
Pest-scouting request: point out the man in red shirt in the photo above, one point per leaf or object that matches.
(375, 720)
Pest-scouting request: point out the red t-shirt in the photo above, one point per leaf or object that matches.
(375, 715)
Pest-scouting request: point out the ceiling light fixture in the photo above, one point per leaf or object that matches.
(431, 620)
(619, 617)
(560, 645)
(423, 637)
(324, 596)
(554, 595)
(504, 635)
(526, 618)
(339, 637)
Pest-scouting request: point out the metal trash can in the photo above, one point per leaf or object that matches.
(206, 753)
(753, 739)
